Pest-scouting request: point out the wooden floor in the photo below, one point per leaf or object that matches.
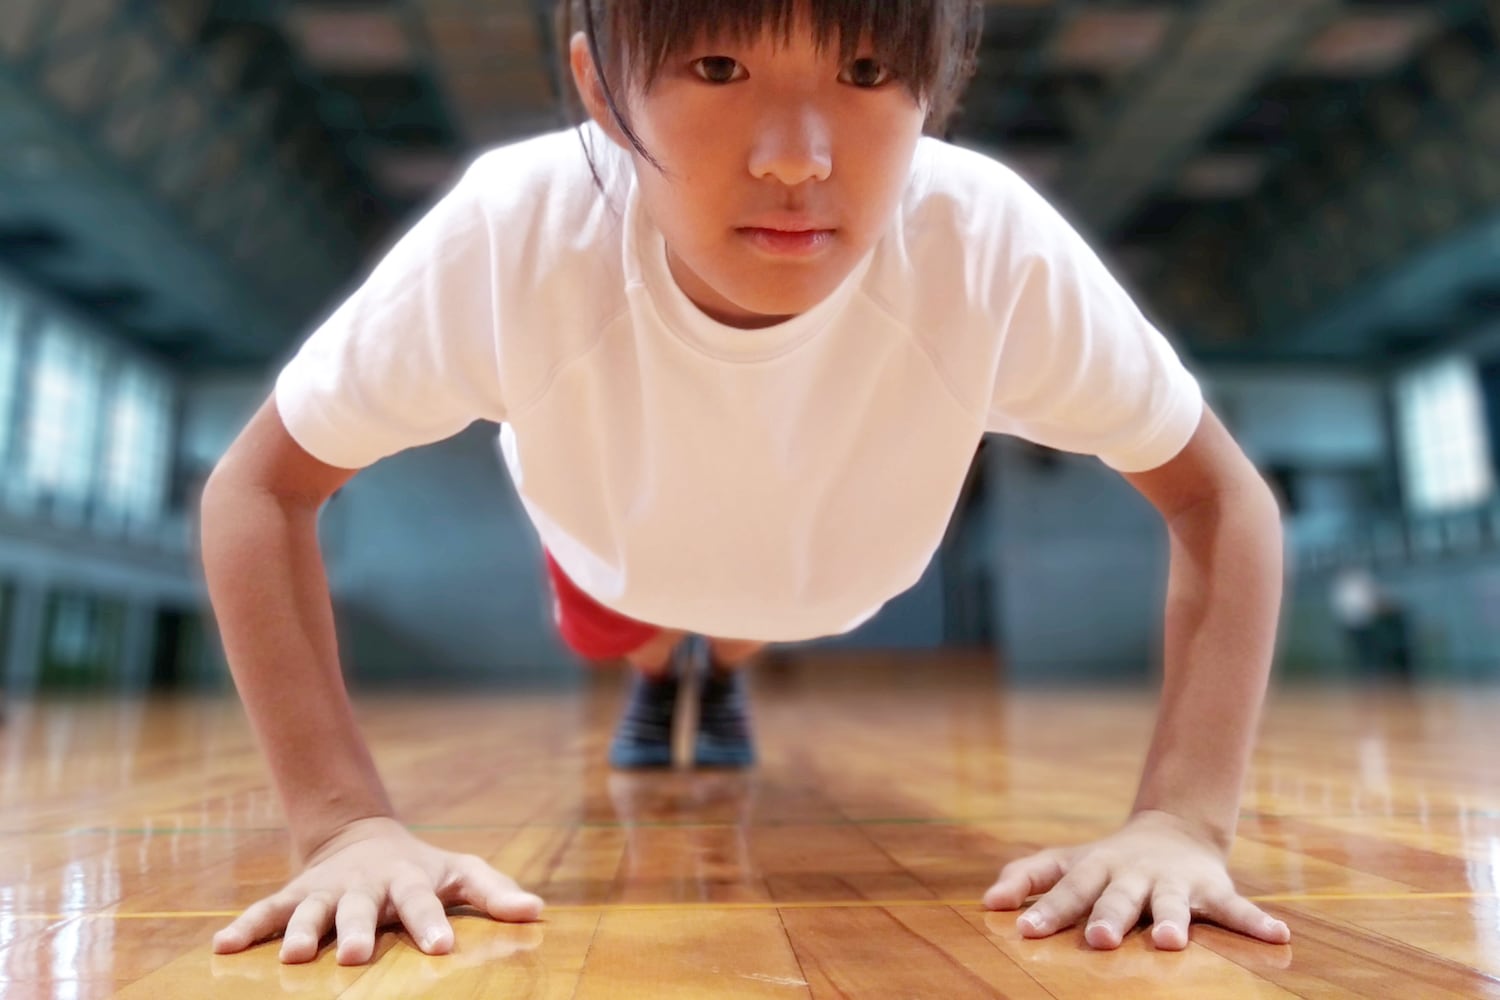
(849, 865)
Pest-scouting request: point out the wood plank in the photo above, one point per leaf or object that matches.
(852, 860)
(902, 952)
(1329, 958)
(703, 953)
(1066, 966)
(541, 960)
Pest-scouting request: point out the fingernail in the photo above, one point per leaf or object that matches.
(1167, 928)
(1111, 936)
(1031, 920)
(525, 900)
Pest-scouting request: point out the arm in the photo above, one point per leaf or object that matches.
(270, 594)
(1223, 597)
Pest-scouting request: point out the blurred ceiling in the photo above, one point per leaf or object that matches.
(1279, 180)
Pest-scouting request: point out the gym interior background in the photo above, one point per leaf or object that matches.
(1307, 201)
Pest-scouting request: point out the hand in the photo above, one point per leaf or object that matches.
(1156, 862)
(374, 872)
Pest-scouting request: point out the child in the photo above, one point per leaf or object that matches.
(742, 333)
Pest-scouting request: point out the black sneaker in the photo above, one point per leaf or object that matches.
(724, 738)
(643, 737)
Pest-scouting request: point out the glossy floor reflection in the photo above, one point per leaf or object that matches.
(849, 864)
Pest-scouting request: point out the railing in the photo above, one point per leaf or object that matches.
(1393, 541)
(151, 562)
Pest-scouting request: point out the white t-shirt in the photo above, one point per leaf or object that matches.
(778, 484)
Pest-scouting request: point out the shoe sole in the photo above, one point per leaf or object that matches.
(738, 757)
(662, 756)
(721, 757)
(641, 759)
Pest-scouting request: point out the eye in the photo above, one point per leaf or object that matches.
(716, 69)
(868, 74)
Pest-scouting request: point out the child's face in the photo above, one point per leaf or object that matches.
(749, 132)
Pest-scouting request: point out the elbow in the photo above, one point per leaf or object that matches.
(222, 491)
(1269, 502)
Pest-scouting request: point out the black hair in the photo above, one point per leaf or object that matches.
(929, 45)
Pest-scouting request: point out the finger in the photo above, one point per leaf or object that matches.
(1237, 913)
(421, 913)
(1024, 878)
(1067, 902)
(1170, 918)
(483, 888)
(259, 921)
(359, 912)
(308, 923)
(1117, 911)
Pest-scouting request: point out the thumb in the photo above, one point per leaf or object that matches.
(486, 889)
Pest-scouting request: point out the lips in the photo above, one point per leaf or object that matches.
(788, 243)
(789, 222)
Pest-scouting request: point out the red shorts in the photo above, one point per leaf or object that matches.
(589, 628)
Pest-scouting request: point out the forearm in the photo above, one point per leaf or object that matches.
(270, 596)
(1223, 601)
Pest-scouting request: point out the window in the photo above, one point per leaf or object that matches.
(137, 438)
(1445, 449)
(10, 353)
(62, 425)
(81, 644)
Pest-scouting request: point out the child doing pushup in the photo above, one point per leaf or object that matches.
(742, 332)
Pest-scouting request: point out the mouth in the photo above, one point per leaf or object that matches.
(789, 243)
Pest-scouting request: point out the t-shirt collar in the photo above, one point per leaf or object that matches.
(648, 273)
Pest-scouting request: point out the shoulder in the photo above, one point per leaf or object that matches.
(967, 227)
(979, 199)
(553, 241)
(552, 162)
(548, 174)
(538, 210)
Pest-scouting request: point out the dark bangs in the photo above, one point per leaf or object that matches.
(930, 45)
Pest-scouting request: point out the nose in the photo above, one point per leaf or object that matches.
(792, 147)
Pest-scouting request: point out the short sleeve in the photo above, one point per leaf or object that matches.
(1081, 369)
(412, 356)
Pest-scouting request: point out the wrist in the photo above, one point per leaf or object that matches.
(328, 839)
(1218, 835)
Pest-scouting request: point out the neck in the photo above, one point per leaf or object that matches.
(713, 305)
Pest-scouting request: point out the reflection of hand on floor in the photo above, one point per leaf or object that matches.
(323, 976)
(478, 941)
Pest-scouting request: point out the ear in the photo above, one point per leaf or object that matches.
(586, 79)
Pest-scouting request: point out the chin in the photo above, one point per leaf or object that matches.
(782, 296)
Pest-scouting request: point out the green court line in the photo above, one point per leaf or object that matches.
(821, 904)
(84, 831)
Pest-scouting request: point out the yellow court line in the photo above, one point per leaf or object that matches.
(1336, 897)
(820, 904)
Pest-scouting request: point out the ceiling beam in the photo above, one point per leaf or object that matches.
(1219, 53)
(492, 62)
(1406, 239)
(1376, 240)
(127, 140)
